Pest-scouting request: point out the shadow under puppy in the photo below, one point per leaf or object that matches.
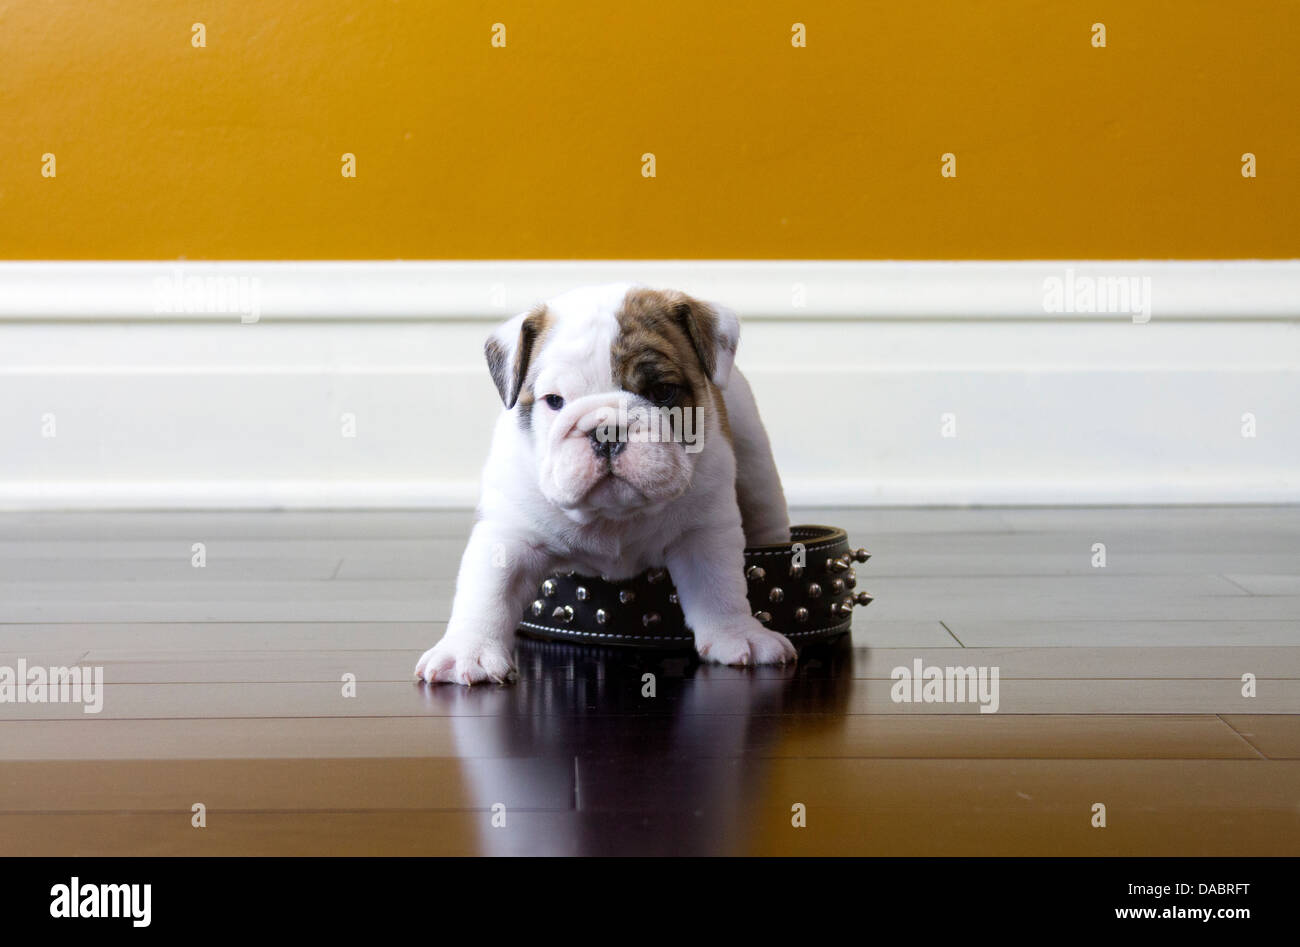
(628, 441)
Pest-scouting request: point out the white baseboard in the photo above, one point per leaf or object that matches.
(763, 289)
(194, 409)
(463, 494)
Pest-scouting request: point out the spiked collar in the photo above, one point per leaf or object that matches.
(805, 589)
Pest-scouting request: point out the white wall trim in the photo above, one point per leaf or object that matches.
(129, 291)
(463, 494)
(184, 410)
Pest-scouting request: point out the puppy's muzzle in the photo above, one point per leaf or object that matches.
(608, 443)
(595, 417)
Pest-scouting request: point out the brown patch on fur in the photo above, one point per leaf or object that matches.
(720, 406)
(666, 336)
(512, 379)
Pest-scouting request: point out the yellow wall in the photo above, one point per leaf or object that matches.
(763, 150)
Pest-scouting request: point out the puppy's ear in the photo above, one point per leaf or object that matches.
(714, 332)
(509, 351)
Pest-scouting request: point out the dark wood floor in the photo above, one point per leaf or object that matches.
(1120, 686)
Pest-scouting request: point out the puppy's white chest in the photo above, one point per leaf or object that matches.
(612, 554)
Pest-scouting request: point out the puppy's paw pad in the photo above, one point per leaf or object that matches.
(748, 645)
(465, 662)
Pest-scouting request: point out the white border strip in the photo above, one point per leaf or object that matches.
(463, 494)
(129, 291)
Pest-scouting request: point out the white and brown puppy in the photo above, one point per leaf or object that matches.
(628, 441)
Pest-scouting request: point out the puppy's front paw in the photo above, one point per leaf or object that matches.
(746, 642)
(466, 661)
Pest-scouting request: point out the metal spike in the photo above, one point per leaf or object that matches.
(796, 570)
(601, 617)
(814, 590)
(548, 588)
(863, 598)
(764, 617)
(650, 619)
(837, 586)
(801, 615)
(776, 595)
(627, 596)
(582, 593)
(861, 555)
(756, 573)
(538, 607)
(656, 576)
(851, 580)
(564, 613)
(672, 597)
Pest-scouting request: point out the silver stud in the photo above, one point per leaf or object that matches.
(564, 613)
(861, 555)
(672, 597)
(796, 570)
(626, 596)
(801, 615)
(656, 576)
(864, 598)
(582, 593)
(837, 586)
(814, 590)
(601, 616)
(756, 573)
(650, 619)
(764, 617)
(548, 588)
(776, 595)
(538, 607)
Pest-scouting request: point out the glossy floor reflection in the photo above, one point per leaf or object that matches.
(274, 689)
(665, 754)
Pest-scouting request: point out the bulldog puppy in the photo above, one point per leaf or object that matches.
(628, 441)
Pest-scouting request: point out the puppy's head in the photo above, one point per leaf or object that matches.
(615, 387)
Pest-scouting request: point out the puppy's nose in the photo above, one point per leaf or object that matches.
(605, 446)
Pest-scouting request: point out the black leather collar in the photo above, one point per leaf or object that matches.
(805, 589)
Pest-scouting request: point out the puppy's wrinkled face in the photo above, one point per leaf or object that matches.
(614, 387)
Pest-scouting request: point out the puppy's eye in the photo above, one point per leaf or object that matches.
(554, 402)
(663, 393)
